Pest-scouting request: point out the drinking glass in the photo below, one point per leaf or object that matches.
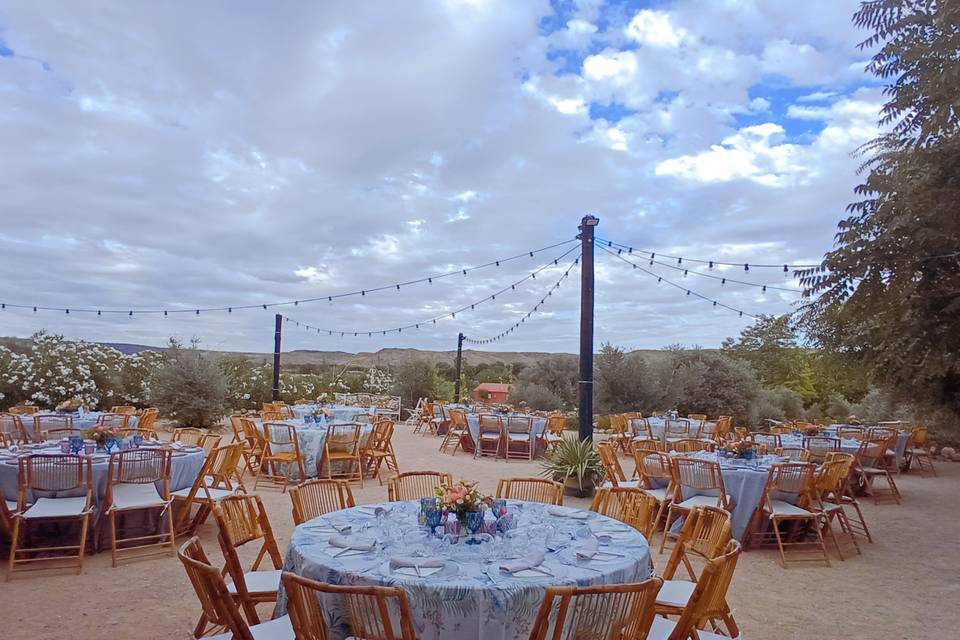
(432, 517)
(474, 522)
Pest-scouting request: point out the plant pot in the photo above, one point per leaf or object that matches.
(578, 489)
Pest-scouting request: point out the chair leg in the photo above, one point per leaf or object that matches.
(14, 543)
(113, 537)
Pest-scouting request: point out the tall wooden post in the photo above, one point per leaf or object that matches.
(456, 384)
(278, 329)
(585, 388)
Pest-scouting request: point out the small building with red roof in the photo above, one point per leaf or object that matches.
(495, 392)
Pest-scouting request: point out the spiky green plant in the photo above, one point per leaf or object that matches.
(573, 457)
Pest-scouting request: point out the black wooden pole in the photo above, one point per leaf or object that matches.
(276, 357)
(456, 384)
(585, 388)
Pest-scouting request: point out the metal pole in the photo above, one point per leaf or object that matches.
(456, 384)
(276, 357)
(585, 388)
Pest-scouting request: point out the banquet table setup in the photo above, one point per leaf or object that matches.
(312, 436)
(79, 420)
(333, 412)
(487, 584)
(473, 414)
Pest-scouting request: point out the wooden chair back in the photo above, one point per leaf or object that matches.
(705, 534)
(789, 479)
(23, 409)
(690, 445)
(635, 507)
(318, 496)
(611, 463)
(217, 604)
(242, 519)
(124, 409)
(603, 612)
(851, 432)
(699, 475)
(11, 425)
(680, 427)
(820, 446)
(490, 425)
(372, 612)
(209, 442)
(458, 419)
(49, 422)
(413, 485)
(140, 466)
(532, 489)
(189, 435)
(556, 424)
(54, 473)
(708, 602)
(771, 440)
(794, 454)
(655, 468)
(115, 420)
(148, 418)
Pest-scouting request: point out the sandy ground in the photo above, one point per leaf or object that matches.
(905, 585)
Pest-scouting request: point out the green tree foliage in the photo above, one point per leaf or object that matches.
(558, 375)
(189, 387)
(620, 380)
(415, 379)
(889, 294)
(699, 381)
(536, 396)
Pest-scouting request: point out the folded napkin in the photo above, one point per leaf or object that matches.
(341, 527)
(588, 549)
(533, 560)
(568, 513)
(422, 566)
(356, 545)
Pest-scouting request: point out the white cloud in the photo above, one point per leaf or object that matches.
(655, 29)
(615, 67)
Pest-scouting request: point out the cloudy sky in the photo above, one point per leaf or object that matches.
(182, 155)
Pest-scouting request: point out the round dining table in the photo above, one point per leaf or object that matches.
(86, 420)
(490, 590)
(312, 437)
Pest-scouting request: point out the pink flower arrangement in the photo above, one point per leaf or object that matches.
(462, 497)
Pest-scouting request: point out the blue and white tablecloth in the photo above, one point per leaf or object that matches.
(337, 412)
(658, 428)
(469, 598)
(902, 437)
(87, 421)
(312, 438)
(473, 421)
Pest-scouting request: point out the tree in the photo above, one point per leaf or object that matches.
(889, 293)
(189, 387)
(558, 375)
(415, 379)
(619, 380)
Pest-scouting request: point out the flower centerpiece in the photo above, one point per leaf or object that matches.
(744, 450)
(461, 498)
(320, 414)
(324, 398)
(69, 406)
(100, 434)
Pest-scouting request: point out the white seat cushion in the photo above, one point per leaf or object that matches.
(700, 501)
(216, 494)
(522, 437)
(136, 496)
(10, 505)
(56, 507)
(276, 629)
(781, 508)
(663, 627)
(552, 437)
(259, 581)
(629, 484)
(676, 593)
(659, 494)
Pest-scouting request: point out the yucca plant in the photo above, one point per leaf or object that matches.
(574, 458)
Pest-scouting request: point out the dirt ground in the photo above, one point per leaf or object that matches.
(905, 585)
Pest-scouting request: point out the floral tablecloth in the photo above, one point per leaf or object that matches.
(312, 438)
(469, 597)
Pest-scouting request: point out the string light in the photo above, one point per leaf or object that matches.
(328, 298)
(452, 314)
(786, 267)
(723, 280)
(536, 307)
(689, 292)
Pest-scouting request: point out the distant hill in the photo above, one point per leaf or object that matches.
(383, 357)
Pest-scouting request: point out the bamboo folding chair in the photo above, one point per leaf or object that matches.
(53, 427)
(148, 418)
(413, 485)
(281, 452)
(697, 416)
(793, 454)
(676, 429)
(132, 486)
(641, 429)
(11, 426)
(783, 481)
(518, 433)
(656, 478)
(873, 460)
(830, 481)
(532, 489)
(425, 419)
(705, 535)
(454, 435)
(114, 420)
(633, 506)
(707, 605)
(372, 612)
(552, 433)
(242, 520)
(597, 612)
(770, 440)
(379, 449)
(23, 409)
(619, 432)
(253, 444)
(698, 475)
(708, 431)
(441, 419)
(58, 475)
(218, 479)
(491, 431)
(342, 444)
(846, 497)
(820, 446)
(318, 496)
(614, 475)
(124, 409)
(217, 605)
(189, 435)
(691, 445)
(917, 449)
(851, 432)
(210, 442)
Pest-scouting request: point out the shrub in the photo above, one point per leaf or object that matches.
(189, 387)
(537, 396)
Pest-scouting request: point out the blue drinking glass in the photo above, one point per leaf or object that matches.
(432, 516)
(76, 444)
(474, 522)
(307, 419)
(137, 440)
(109, 443)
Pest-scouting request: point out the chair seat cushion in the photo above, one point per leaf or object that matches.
(676, 593)
(659, 494)
(629, 484)
(701, 501)
(276, 629)
(136, 496)
(552, 437)
(10, 505)
(259, 581)
(216, 494)
(520, 437)
(56, 507)
(781, 508)
(663, 627)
